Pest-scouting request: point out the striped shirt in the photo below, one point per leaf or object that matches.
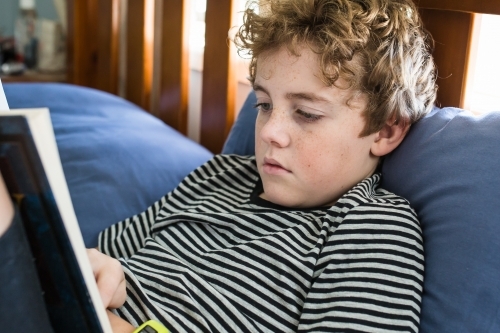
(212, 256)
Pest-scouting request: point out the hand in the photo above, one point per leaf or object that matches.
(118, 324)
(110, 278)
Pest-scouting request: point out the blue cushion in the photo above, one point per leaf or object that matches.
(448, 167)
(117, 158)
(241, 138)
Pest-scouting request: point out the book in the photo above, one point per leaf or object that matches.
(32, 171)
(3, 100)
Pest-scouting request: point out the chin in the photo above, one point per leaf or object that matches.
(283, 198)
(275, 197)
(287, 199)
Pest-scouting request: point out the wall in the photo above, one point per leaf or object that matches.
(9, 12)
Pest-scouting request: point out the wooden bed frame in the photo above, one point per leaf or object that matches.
(93, 45)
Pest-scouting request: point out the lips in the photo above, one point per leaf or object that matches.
(273, 167)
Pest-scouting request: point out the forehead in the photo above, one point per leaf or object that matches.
(303, 60)
(281, 71)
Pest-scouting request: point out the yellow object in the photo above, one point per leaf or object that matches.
(151, 326)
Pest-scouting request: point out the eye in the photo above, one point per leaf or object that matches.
(263, 107)
(308, 117)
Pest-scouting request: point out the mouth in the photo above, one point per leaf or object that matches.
(273, 167)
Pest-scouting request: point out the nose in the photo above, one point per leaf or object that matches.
(275, 129)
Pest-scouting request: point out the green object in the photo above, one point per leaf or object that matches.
(152, 326)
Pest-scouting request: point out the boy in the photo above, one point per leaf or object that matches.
(298, 237)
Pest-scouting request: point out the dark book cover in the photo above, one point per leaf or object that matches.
(65, 293)
(22, 308)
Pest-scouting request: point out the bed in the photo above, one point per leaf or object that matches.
(118, 159)
(448, 167)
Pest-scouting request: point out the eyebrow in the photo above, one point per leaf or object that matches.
(311, 97)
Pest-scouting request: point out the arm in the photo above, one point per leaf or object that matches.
(126, 237)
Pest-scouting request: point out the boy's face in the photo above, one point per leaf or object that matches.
(307, 143)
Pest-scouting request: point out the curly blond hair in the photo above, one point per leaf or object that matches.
(392, 63)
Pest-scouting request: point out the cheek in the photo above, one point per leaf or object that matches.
(311, 152)
(258, 140)
(322, 157)
(258, 126)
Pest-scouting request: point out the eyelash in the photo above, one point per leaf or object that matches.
(306, 116)
(258, 106)
(309, 117)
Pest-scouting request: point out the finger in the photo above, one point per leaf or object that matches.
(118, 324)
(111, 284)
(119, 297)
(109, 277)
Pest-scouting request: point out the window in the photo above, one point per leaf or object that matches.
(483, 86)
(196, 49)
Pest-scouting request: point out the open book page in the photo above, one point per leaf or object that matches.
(3, 101)
(43, 136)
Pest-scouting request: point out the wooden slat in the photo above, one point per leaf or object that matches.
(452, 33)
(174, 59)
(70, 39)
(93, 43)
(79, 54)
(472, 6)
(107, 47)
(219, 81)
(139, 54)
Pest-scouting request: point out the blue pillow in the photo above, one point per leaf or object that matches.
(448, 167)
(241, 138)
(117, 158)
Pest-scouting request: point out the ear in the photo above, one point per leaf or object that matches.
(389, 137)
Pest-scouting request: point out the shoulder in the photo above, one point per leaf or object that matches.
(379, 209)
(368, 196)
(222, 171)
(227, 162)
(222, 164)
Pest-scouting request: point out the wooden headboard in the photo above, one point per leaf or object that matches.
(94, 46)
(451, 24)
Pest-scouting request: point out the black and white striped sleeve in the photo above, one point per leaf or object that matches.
(369, 275)
(126, 237)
